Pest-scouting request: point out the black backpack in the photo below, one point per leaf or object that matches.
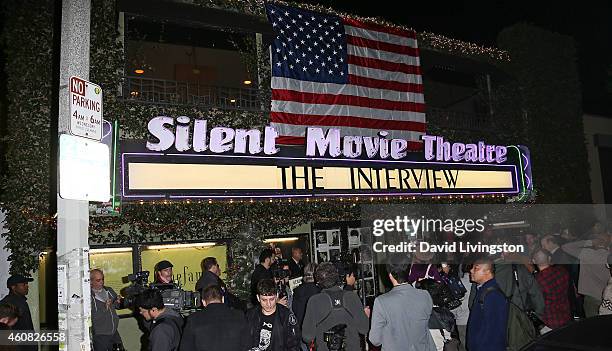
(336, 298)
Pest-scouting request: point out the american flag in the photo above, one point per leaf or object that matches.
(334, 72)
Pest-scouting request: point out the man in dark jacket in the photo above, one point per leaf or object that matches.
(166, 323)
(104, 319)
(332, 307)
(296, 265)
(216, 327)
(210, 275)
(487, 324)
(262, 271)
(302, 293)
(526, 294)
(18, 289)
(272, 326)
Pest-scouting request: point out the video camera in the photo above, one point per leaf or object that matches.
(173, 296)
(281, 272)
(177, 298)
(335, 337)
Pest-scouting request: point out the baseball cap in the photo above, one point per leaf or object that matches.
(163, 265)
(18, 278)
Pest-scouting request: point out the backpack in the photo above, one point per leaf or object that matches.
(336, 298)
(520, 329)
(440, 293)
(456, 286)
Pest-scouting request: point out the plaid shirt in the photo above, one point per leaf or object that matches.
(553, 282)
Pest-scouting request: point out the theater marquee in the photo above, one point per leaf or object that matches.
(227, 163)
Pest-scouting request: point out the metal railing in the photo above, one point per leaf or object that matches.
(171, 92)
(458, 120)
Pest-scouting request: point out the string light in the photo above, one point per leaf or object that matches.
(427, 40)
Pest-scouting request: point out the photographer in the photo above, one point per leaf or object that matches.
(104, 319)
(166, 323)
(332, 308)
(273, 327)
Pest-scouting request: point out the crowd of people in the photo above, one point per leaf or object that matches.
(468, 305)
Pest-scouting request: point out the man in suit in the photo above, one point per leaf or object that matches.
(216, 327)
(296, 265)
(557, 255)
(402, 328)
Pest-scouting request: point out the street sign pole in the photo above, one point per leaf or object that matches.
(72, 215)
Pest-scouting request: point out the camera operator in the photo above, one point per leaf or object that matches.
(166, 323)
(272, 326)
(262, 271)
(216, 327)
(163, 273)
(327, 311)
(104, 319)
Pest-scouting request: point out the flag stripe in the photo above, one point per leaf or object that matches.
(297, 140)
(300, 130)
(382, 55)
(384, 74)
(379, 45)
(386, 65)
(347, 89)
(383, 84)
(313, 98)
(380, 36)
(345, 121)
(379, 28)
(345, 110)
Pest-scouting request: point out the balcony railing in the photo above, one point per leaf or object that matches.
(458, 120)
(171, 92)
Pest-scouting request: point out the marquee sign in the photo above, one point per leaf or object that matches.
(181, 162)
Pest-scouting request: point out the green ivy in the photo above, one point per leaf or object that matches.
(28, 50)
(545, 97)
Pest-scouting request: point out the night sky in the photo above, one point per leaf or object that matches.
(588, 22)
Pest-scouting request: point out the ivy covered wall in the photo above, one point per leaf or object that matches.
(546, 94)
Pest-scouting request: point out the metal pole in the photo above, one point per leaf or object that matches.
(74, 313)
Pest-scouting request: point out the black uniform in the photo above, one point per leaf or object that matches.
(216, 327)
(277, 332)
